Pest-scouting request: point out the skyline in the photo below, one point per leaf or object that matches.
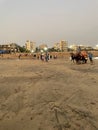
(75, 21)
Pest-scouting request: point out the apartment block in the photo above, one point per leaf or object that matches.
(30, 45)
(62, 45)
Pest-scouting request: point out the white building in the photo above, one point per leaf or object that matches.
(62, 45)
(31, 46)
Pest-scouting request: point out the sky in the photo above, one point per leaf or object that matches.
(49, 21)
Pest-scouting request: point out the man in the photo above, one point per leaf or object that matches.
(90, 56)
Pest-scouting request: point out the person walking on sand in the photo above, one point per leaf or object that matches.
(90, 56)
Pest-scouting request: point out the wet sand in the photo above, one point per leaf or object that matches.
(57, 95)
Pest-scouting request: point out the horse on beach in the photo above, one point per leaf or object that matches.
(79, 57)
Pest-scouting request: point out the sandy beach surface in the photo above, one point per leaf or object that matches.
(58, 95)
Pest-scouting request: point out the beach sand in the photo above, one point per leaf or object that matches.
(58, 95)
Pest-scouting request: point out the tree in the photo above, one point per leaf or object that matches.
(22, 49)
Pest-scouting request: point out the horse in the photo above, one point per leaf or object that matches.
(78, 58)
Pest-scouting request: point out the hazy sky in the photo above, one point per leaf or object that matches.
(49, 21)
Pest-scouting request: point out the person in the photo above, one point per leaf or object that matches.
(47, 57)
(90, 56)
(19, 56)
(42, 57)
(79, 50)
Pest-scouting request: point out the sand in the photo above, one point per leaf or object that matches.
(58, 95)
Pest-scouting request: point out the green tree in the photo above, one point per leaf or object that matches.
(22, 49)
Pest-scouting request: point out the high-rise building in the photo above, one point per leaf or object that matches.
(31, 46)
(63, 45)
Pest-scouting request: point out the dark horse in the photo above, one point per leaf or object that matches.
(78, 58)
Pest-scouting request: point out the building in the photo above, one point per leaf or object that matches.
(10, 47)
(43, 46)
(73, 47)
(30, 46)
(61, 46)
(82, 47)
(57, 46)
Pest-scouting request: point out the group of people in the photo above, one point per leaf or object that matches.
(82, 56)
(45, 57)
(89, 54)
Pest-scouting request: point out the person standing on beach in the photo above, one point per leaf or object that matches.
(46, 57)
(90, 56)
(19, 56)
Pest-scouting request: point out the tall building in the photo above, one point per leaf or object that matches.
(31, 46)
(63, 45)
